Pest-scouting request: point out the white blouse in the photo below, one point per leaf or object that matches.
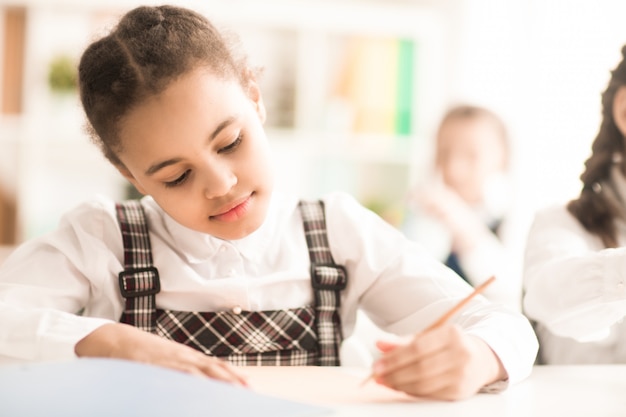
(394, 281)
(575, 288)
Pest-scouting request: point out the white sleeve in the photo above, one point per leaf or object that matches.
(572, 285)
(44, 284)
(403, 289)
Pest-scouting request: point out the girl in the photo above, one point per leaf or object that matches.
(574, 265)
(212, 263)
(464, 216)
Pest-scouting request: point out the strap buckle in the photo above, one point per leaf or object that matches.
(338, 275)
(128, 276)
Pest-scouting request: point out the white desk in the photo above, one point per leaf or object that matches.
(112, 388)
(550, 391)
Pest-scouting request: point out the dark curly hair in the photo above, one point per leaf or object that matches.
(591, 208)
(149, 48)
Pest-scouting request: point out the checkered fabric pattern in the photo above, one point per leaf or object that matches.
(250, 338)
(327, 278)
(140, 280)
(309, 335)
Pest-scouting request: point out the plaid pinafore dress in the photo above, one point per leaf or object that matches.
(310, 335)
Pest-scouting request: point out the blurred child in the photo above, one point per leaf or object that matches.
(463, 215)
(212, 267)
(574, 274)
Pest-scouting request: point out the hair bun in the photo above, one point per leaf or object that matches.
(142, 18)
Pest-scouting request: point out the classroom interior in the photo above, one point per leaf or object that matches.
(354, 91)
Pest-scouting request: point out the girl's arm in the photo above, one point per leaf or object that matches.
(403, 290)
(44, 286)
(41, 296)
(573, 286)
(121, 341)
(46, 283)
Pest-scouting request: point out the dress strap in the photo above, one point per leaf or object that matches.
(327, 279)
(139, 281)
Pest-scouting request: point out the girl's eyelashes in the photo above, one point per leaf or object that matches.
(226, 149)
(232, 146)
(178, 181)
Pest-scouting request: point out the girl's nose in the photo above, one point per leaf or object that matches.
(220, 181)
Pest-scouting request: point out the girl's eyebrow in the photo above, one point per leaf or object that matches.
(159, 165)
(222, 126)
(156, 167)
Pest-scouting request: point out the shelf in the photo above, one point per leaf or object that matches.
(365, 148)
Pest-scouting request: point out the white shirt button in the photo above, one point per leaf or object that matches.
(231, 273)
(237, 310)
(223, 248)
(620, 285)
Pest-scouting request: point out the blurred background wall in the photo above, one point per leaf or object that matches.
(354, 90)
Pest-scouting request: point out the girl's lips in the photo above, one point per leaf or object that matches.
(234, 213)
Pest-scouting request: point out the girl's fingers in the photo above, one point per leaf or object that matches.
(429, 368)
(440, 387)
(223, 371)
(422, 345)
(385, 346)
(239, 378)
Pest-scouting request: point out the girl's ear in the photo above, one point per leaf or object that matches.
(619, 109)
(126, 174)
(254, 92)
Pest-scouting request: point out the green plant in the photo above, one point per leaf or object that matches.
(62, 74)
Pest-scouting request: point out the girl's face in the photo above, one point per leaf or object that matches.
(470, 152)
(199, 149)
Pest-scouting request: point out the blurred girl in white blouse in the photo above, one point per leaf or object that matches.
(575, 262)
(464, 214)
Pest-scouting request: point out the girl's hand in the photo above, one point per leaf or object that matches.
(444, 204)
(122, 341)
(443, 364)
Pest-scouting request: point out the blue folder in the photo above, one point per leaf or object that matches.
(116, 388)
